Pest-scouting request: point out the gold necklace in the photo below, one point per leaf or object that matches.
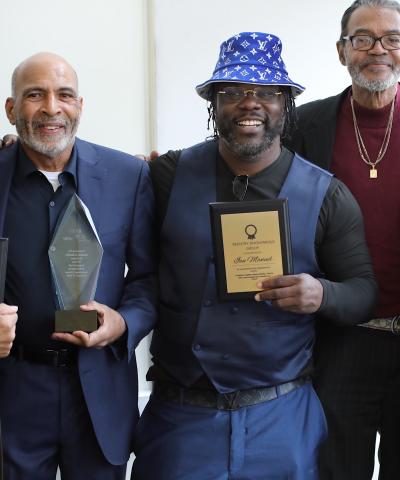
(373, 173)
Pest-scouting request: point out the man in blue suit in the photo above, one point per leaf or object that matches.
(232, 397)
(70, 399)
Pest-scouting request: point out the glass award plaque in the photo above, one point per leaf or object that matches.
(3, 266)
(251, 242)
(75, 255)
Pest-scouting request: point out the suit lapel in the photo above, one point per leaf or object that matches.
(91, 179)
(8, 161)
(319, 140)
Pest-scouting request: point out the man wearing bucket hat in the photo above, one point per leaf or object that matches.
(356, 135)
(231, 396)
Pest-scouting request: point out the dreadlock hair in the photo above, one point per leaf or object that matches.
(211, 99)
(290, 113)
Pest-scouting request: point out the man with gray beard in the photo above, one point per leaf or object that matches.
(58, 401)
(357, 136)
(232, 396)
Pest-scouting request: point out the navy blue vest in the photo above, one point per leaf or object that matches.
(242, 344)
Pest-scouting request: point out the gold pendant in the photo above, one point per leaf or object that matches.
(373, 173)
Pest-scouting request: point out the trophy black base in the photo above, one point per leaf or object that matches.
(67, 321)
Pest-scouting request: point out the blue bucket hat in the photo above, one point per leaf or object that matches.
(253, 58)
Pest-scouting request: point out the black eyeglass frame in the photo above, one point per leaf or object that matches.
(350, 38)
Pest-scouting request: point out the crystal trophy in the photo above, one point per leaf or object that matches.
(75, 255)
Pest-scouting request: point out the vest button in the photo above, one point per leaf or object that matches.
(234, 310)
(197, 347)
(207, 303)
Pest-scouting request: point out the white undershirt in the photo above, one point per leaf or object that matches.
(52, 177)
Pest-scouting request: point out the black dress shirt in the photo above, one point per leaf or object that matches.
(33, 210)
(344, 259)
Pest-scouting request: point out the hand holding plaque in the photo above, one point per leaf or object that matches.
(75, 255)
(251, 243)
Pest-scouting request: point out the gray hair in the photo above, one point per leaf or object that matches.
(392, 4)
(14, 83)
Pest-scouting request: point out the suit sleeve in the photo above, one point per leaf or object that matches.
(138, 302)
(350, 290)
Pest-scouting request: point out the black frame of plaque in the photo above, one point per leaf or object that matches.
(217, 209)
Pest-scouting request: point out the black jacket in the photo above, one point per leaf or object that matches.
(314, 137)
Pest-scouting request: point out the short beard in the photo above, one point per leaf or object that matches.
(37, 145)
(373, 86)
(250, 151)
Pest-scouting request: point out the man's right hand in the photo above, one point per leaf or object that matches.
(148, 158)
(8, 140)
(8, 320)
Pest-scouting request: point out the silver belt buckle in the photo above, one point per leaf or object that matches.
(395, 325)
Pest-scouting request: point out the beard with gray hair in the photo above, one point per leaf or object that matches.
(373, 86)
(49, 146)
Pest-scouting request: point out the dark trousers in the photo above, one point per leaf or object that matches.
(45, 424)
(358, 382)
(274, 440)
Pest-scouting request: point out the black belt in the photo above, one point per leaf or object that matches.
(55, 358)
(223, 401)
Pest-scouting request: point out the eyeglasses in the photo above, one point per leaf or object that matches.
(236, 95)
(367, 42)
(239, 186)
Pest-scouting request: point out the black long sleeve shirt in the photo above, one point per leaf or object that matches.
(341, 250)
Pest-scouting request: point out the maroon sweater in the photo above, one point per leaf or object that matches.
(379, 198)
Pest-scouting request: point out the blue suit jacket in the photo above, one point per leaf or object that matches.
(116, 188)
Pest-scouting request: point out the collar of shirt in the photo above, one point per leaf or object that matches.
(265, 184)
(25, 168)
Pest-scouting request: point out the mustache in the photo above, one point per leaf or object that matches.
(374, 61)
(58, 121)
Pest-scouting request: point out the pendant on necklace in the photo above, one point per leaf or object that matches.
(373, 173)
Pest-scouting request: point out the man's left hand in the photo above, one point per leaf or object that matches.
(300, 293)
(112, 326)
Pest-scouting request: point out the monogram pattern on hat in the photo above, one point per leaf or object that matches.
(251, 58)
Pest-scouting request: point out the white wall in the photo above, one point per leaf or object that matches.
(105, 41)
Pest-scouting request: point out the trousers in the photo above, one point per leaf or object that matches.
(358, 381)
(46, 424)
(274, 440)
